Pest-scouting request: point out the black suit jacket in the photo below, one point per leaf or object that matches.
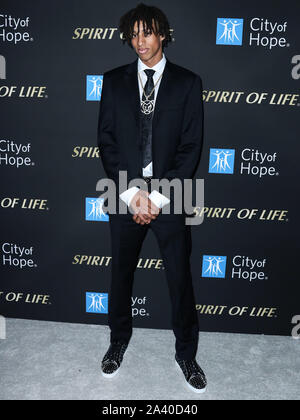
(177, 125)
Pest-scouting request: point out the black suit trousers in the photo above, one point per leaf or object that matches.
(174, 240)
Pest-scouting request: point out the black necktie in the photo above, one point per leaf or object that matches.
(146, 119)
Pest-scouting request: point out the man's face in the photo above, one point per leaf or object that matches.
(147, 45)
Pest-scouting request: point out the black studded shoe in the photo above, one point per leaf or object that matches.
(194, 376)
(112, 359)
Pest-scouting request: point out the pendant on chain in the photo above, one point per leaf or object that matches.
(147, 106)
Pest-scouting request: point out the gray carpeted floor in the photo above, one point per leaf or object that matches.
(48, 360)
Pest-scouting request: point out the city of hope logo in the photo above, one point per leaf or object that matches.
(97, 303)
(229, 31)
(221, 161)
(93, 88)
(94, 210)
(214, 266)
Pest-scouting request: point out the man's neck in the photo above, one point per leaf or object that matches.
(154, 60)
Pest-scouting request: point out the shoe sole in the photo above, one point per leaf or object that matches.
(110, 375)
(198, 391)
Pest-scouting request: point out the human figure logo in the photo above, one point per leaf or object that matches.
(221, 161)
(97, 302)
(93, 88)
(94, 209)
(229, 31)
(214, 266)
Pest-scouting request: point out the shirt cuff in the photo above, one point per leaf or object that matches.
(158, 199)
(127, 195)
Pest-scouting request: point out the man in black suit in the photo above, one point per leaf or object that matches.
(151, 126)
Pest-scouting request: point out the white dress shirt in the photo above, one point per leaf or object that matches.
(158, 199)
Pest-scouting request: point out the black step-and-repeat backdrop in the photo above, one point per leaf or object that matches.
(55, 241)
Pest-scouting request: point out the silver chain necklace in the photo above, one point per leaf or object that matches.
(147, 106)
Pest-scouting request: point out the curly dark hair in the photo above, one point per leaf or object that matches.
(145, 13)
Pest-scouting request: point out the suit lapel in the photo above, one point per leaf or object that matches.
(131, 82)
(166, 85)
